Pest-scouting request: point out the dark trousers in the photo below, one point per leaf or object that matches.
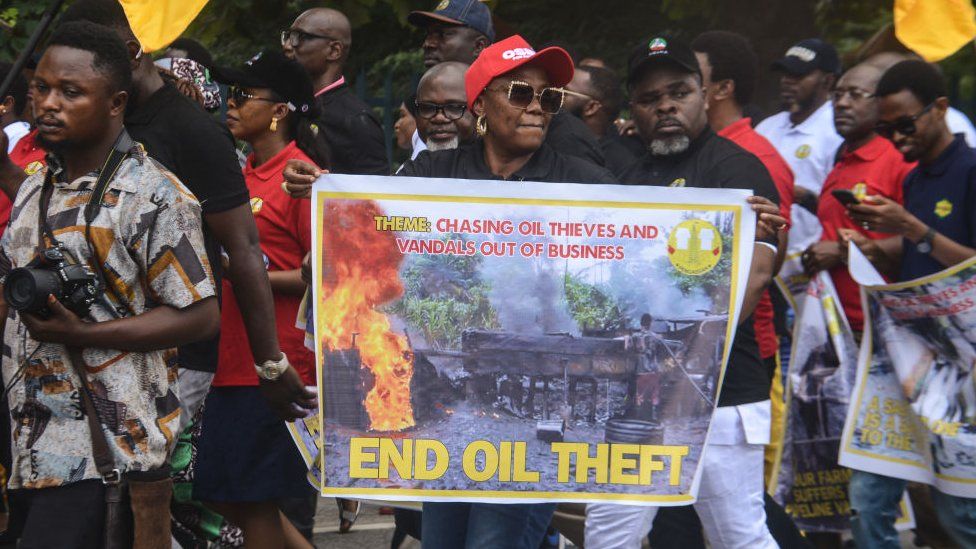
(67, 517)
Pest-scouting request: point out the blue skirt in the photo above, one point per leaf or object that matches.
(245, 453)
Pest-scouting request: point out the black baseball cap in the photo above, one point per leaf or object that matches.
(272, 70)
(808, 55)
(467, 13)
(661, 49)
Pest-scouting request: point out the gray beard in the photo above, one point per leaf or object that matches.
(669, 146)
(443, 146)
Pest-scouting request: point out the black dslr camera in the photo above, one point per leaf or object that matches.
(75, 286)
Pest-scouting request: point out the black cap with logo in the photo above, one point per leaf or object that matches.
(661, 49)
(272, 70)
(807, 56)
(468, 13)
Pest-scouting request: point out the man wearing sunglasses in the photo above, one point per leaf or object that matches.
(934, 230)
(443, 120)
(320, 40)
(669, 106)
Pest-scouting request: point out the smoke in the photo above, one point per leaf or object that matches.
(536, 304)
(638, 288)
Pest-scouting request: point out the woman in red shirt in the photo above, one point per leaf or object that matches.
(247, 461)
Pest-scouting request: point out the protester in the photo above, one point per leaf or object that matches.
(320, 39)
(669, 106)
(11, 106)
(867, 164)
(457, 30)
(803, 132)
(933, 230)
(404, 129)
(188, 48)
(242, 473)
(443, 119)
(595, 97)
(730, 74)
(156, 300)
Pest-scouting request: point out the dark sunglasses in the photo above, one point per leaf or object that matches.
(451, 111)
(295, 37)
(904, 125)
(521, 94)
(240, 96)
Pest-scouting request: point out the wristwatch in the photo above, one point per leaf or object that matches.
(271, 370)
(925, 244)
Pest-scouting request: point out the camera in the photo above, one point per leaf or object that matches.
(50, 273)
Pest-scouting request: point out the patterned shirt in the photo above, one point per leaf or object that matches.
(148, 231)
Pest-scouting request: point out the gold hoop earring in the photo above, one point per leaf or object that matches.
(481, 125)
(274, 124)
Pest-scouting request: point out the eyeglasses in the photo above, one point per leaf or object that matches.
(854, 93)
(295, 37)
(904, 125)
(451, 111)
(577, 94)
(521, 94)
(239, 96)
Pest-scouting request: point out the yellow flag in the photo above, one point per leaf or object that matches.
(935, 29)
(156, 23)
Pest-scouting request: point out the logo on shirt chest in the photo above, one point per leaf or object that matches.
(860, 190)
(33, 167)
(803, 151)
(680, 182)
(694, 247)
(256, 204)
(943, 208)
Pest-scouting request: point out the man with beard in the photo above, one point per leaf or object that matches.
(669, 106)
(934, 230)
(594, 96)
(320, 40)
(867, 164)
(443, 120)
(803, 132)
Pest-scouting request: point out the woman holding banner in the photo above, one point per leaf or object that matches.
(244, 472)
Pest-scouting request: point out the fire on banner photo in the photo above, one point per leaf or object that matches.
(913, 414)
(484, 341)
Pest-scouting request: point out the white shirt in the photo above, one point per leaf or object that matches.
(743, 424)
(14, 132)
(809, 149)
(418, 145)
(959, 123)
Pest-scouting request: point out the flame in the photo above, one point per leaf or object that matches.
(362, 272)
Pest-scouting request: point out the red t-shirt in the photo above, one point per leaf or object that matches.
(875, 168)
(285, 230)
(742, 134)
(29, 156)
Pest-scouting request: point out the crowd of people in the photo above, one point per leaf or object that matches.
(178, 342)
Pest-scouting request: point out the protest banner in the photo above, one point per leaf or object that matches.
(914, 408)
(493, 341)
(810, 484)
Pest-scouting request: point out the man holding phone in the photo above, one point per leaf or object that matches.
(867, 164)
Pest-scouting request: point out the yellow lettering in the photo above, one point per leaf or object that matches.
(619, 462)
(470, 463)
(521, 474)
(423, 448)
(359, 458)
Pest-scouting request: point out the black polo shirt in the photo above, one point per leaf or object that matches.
(619, 156)
(468, 162)
(569, 135)
(715, 162)
(943, 196)
(354, 135)
(199, 151)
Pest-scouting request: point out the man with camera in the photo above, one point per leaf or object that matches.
(105, 273)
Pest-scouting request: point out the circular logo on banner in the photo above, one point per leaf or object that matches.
(694, 246)
(802, 151)
(256, 205)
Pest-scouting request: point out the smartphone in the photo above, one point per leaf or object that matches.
(845, 196)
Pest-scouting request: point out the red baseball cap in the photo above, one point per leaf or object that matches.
(509, 54)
